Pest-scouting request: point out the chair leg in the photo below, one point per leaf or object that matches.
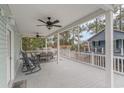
(31, 72)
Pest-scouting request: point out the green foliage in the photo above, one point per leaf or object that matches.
(52, 41)
(97, 24)
(31, 43)
(65, 38)
(119, 17)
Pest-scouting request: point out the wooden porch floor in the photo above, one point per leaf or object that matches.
(66, 74)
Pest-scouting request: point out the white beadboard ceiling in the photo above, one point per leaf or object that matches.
(26, 15)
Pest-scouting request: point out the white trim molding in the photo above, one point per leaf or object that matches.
(12, 53)
(58, 47)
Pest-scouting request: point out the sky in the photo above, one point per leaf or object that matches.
(86, 35)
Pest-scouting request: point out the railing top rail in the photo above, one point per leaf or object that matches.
(99, 55)
(92, 54)
(119, 57)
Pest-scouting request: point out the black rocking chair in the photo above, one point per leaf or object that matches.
(30, 64)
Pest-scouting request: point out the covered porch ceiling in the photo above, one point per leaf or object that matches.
(26, 15)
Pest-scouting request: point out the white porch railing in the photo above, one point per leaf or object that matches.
(118, 64)
(94, 59)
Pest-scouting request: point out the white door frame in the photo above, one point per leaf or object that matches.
(8, 28)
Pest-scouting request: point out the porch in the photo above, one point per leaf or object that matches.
(96, 70)
(68, 74)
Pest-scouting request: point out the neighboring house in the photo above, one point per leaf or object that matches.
(97, 42)
(84, 46)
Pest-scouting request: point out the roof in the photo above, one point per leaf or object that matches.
(99, 33)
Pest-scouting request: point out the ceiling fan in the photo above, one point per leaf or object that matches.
(38, 35)
(49, 24)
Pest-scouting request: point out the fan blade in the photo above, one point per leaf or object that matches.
(41, 20)
(56, 21)
(57, 25)
(40, 25)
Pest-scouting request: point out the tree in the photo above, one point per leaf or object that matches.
(32, 43)
(55, 40)
(119, 17)
(65, 38)
(96, 25)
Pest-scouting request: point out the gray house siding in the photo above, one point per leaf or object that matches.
(101, 36)
(98, 41)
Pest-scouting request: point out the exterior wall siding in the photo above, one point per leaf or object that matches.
(17, 48)
(3, 49)
(3, 69)
(101, 36)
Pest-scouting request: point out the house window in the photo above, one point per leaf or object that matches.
(117, 44)
(101, 43)
(93, 43)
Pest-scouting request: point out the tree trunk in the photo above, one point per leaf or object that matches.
(96, 25)
(120, 25)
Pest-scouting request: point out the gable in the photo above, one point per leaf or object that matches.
(101, 36)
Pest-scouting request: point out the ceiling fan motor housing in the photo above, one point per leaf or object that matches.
(49, 23)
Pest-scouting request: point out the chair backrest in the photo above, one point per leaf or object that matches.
(33, 56)
(26, 59)
(50, 53)
(43, 54)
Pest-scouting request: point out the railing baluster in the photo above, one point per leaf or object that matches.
(94, 60)
(114, 64)
(103, 62)
(97, 60)
(100, 61)
(121, 65)
(118, 64)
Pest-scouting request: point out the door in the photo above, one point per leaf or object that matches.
(8, 43)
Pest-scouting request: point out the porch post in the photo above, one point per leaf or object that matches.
(109, 48)
(122, 47)
(58, 48)
(78, 40)
(46, 43)
(88, 46)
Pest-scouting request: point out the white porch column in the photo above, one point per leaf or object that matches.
(78, 39)
(102, 50)
(122, 47)
(95, 50)
(46, 43)
(109, 48)
(58, 48)
(88, 46)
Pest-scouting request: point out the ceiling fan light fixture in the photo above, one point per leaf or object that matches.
(37, 36)
(49, 24)
(49, 27)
